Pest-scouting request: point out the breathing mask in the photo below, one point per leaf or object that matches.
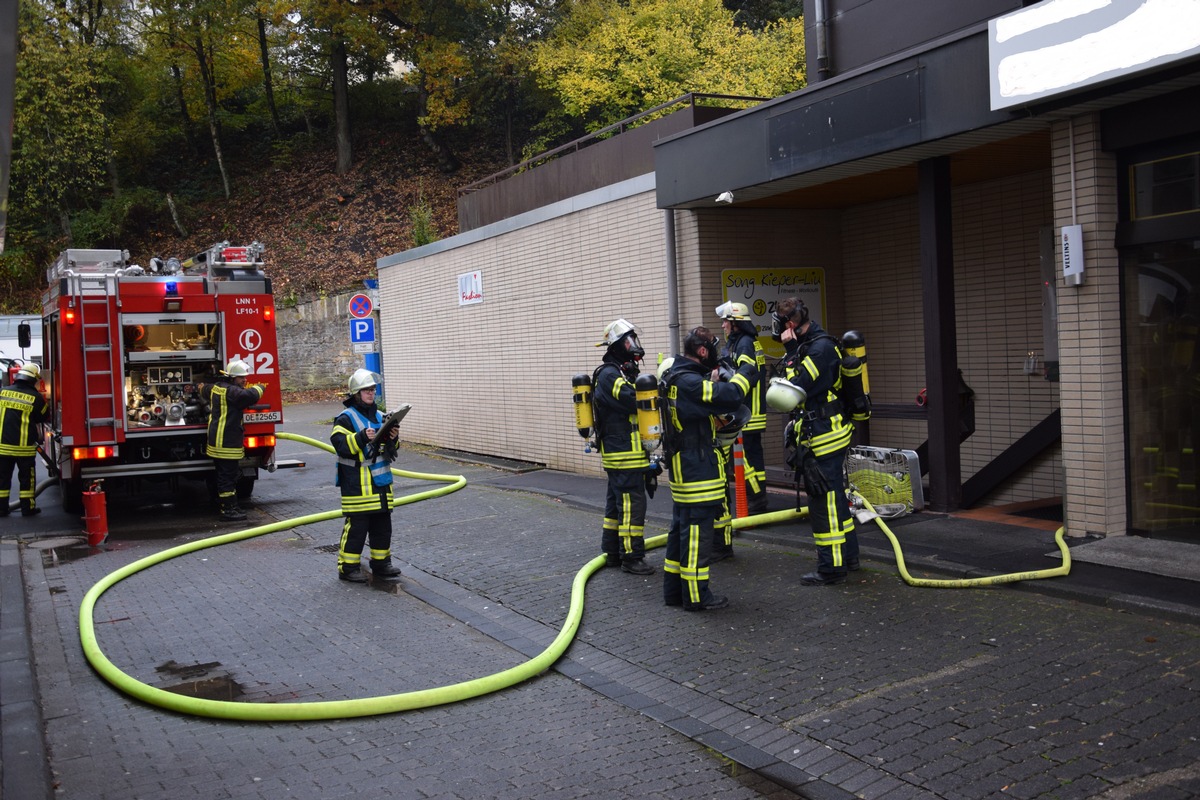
(778, 324)
(710, 360)
(627, 352)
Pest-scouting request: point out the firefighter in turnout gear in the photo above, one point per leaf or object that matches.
(742, 346)
(625, 461)
(823, 430)
(227, 399)
(22, 410)
(365, 480)
(694, 408)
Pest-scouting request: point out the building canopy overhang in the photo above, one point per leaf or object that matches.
(858, 137)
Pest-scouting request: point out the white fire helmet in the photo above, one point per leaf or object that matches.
(29, 371)
(614, 331)
(732, 428)
(362, 379)
(666, 364)
(237, 368)
(733, 311)
(783, 395)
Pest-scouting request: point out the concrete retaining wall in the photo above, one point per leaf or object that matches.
(314, 344)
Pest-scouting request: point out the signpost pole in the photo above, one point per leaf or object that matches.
(372, 361)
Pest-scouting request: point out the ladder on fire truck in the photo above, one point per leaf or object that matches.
(101, 412)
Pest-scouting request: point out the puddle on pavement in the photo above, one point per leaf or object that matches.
(146, 533)
(62, 550)
(391, 587)
(65, 549)
(221, 687)
(199, 683)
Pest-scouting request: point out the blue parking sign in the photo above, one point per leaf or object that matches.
(362, 331)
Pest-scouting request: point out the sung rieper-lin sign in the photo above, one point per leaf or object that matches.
(761, 289)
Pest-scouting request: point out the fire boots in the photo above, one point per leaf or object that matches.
(637, 566)
(379, 569)
(353, 574)
(28, 509)
(822, 578)
(384, 569)
(230, 511)
(756, 503)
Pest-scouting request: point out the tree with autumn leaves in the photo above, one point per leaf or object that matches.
(610, 59)
(122, 107)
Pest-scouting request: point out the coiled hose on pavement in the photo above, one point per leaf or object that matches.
(932, 583)
(422, 698)
(331, 709)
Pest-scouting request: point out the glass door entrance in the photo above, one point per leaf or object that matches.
(1162, 350)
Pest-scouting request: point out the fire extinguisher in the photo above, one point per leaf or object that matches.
(95, 515)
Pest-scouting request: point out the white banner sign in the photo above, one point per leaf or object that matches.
(470, 288)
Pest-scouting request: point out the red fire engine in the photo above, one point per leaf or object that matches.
(125, 349)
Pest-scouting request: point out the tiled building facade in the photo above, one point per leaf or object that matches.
(1103, 364)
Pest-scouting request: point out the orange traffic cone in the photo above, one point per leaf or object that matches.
(740, 504)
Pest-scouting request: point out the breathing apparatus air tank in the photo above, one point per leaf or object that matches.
(649, 422)
(582, 395)
(856, 389)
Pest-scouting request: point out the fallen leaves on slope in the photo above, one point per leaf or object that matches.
(324, 232)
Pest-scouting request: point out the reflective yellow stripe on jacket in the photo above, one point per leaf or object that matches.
(222, 448)
(631, 455)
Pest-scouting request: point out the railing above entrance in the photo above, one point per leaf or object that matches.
(692, 100)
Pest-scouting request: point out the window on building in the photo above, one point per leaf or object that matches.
(1165, 186)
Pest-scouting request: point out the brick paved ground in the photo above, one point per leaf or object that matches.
(873, 689)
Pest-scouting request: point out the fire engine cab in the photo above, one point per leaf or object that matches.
(126, 350)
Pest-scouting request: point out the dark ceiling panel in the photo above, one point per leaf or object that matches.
(1014, 156)
(882, 115)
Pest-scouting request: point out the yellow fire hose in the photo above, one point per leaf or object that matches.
(950, 583)
(422, 698)
(967, 583)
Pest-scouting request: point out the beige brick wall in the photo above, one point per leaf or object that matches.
(881, 244)
(998, 313)
(1090, 331)
(495, 377)
(998, 304)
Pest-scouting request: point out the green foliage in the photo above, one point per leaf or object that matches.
(423, 229)
(118, 220)
(610, 59)
(20, 272)
(550, 131)
(386, 102)
(59, 126)
(757, 14)
(114, 96)
(285, 151)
